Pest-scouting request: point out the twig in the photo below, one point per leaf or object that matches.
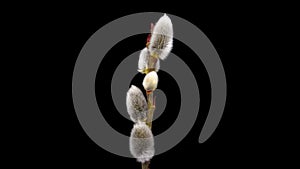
(145, 165)
(151, 108)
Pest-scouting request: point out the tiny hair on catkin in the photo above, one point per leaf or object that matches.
(161, 41)
(147, 62)
(136, 104)
(141, 142)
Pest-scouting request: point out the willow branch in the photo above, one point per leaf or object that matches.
(151, 109)
(145, 165)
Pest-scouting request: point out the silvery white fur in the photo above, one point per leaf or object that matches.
(136, 104)
(147, 62)
(141, 142)
(161, 41)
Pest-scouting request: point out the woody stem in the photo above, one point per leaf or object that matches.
(151, 108)
(145, 165)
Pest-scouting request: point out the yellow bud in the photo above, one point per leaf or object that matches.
(150, 81)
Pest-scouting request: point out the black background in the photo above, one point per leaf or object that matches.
(242, 138)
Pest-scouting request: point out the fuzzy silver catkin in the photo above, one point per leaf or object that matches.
(141, 142)
(136, 104)
(147, 62)
(161, 41)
